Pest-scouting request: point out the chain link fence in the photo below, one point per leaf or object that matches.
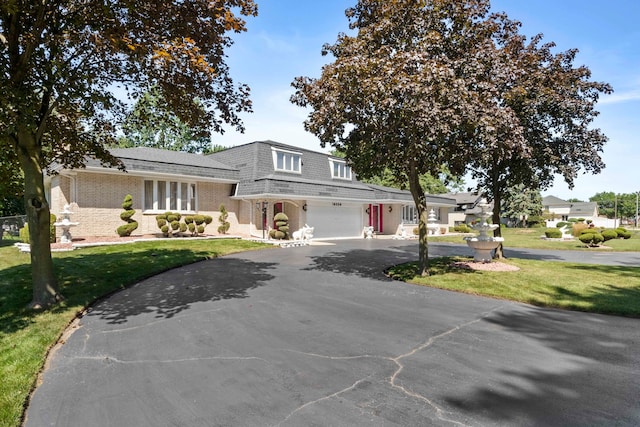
(11, 225)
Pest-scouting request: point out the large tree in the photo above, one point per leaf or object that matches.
(408, 91)
(521, 203)
(544, 109)
(152, 124)
(61, 62)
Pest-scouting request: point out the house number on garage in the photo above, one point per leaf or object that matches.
(337, 204)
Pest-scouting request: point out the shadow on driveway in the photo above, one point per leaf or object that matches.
(170, 293)
(580, 352)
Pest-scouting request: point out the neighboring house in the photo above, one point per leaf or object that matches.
(563, 210)
(465, 210)
(254, 181)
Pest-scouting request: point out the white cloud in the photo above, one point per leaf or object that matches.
(616, 98)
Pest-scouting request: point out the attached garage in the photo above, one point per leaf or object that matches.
(335, 220)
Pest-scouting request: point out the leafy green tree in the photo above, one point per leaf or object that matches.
(410, 90)
(152, 124)
(430, 184)
(542, 110)
(60, 62)
(521, 203)
(613, 205)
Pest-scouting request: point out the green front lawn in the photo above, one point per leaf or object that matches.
(583, 287)
(531, 238)
(84, 276)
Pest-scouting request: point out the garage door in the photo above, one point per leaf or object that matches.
(335, 220)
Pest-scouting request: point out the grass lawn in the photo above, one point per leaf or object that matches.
(531, 238)
(583, 287)
(84, 275)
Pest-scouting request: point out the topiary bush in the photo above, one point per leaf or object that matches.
(52, 228)
(609, 234)
(562, 224)
(591, 238)
(174, 224)
(553, 233)
(222, 219)
(127, 229)
(24, 234)
(282, 226)
(623, 233)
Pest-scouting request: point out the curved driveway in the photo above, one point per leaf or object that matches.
(318, 336)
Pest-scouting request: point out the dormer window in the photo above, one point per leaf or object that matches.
(339, 169)
(287, 161)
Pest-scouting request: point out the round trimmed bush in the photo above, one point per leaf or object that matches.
(553, 233)
(609, 234)
(165, 229)
(183, 227)
(591, 239)
(161, 222)
(200, 229)
(175, 225)
(188, 219)
(562, 224)
(207, 219)
(198, 219)
(192, 227)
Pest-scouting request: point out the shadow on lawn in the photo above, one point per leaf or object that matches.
(589, 377)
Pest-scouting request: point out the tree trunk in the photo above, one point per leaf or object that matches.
(45, 286)
(420, 200)
(495, 218)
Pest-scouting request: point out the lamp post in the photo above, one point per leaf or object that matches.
(263, 206)
(637, 211)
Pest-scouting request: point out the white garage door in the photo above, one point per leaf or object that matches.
(337, 220)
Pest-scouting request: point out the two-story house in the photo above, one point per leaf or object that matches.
(254, 181)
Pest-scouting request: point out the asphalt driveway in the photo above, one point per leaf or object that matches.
(318, 336)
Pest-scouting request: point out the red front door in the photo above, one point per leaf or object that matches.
(277, 208)
(375, 217)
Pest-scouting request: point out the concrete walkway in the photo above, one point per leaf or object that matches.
(318, 336)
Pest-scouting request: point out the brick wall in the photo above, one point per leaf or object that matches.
(99, 203)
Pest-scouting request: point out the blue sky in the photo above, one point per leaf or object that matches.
(286, 38)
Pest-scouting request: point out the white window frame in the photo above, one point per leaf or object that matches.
(291, 161)
(409, 214)
(340, 169)
(176, 202)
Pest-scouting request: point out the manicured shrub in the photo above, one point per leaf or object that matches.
(208, 219)
(609, 234)
(553, 233)
(282, 226)
(535, 221)
(222, 219)
(591, 239)
(24, 234)
(462, 228)
(562, 224)
(52, 228)
(127, 229)
(623, 233)
(173, 223)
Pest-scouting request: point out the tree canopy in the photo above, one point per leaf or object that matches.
(440, 83)
(64, 64)
(408, 91)
(614, 205)
(152, 124)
